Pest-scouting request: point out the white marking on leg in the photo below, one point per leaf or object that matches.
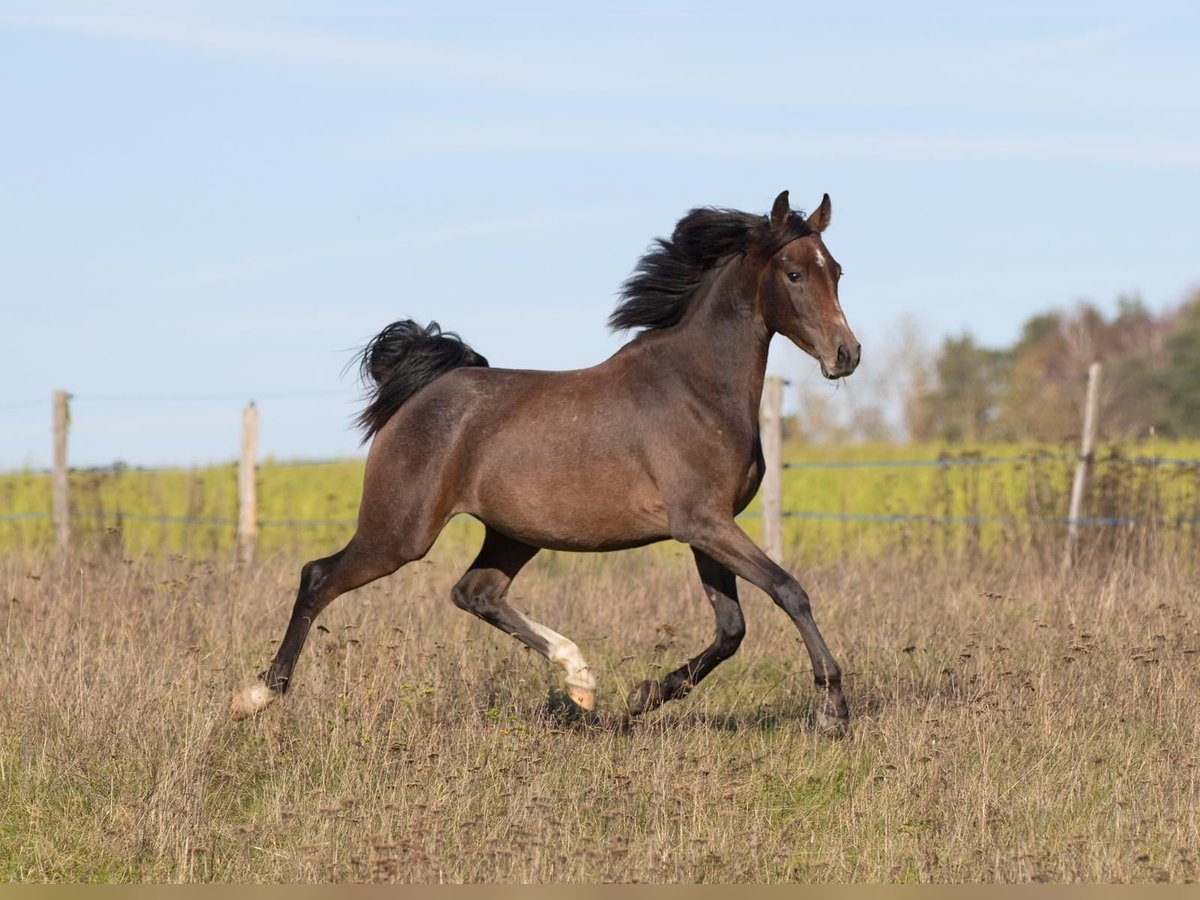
(250, 700)
(581, 683)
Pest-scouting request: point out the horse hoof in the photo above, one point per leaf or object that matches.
(832, 726)
(251, 700)
(645, 697)
(584, 698)
(833, 716)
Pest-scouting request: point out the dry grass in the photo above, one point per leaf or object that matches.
(1010, 725)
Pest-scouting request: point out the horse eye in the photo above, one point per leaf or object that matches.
(794, 276)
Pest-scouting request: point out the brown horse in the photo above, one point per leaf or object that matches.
(659, 441)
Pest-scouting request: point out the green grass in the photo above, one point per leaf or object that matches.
(308, 509)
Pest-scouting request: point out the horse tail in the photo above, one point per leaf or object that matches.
(401, 360)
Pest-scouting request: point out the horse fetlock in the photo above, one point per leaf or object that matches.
(677, 685)
(646, 696)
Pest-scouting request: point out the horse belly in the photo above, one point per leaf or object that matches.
(601, 506)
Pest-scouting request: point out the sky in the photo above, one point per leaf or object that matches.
(207, 204)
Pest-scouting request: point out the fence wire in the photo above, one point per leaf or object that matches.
(1093, 521)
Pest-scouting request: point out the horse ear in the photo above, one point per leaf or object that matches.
(819, 220)
(780, 211)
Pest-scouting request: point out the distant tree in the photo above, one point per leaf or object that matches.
(1039, 392)
(964, 403)
(1048, 381)
(1042, 327)
(1134, 400)
(1033, 390)
(1179, 379)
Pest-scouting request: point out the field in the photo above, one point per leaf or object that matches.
(1010, 725)
(308, 509)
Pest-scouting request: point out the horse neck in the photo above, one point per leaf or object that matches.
(722, 341)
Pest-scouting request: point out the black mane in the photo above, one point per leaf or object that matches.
(658, 292)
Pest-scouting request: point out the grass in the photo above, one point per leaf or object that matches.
(1011, 725)
(307, 509)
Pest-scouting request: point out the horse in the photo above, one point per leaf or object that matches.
(660, 441)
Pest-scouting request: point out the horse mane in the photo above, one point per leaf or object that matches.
(667, 277)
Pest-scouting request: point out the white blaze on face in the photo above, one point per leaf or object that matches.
(824, 264)
(581, 683)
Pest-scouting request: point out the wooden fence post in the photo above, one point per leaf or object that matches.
(60, 502)
(771, 434)
(1083, 467)
(247, 533)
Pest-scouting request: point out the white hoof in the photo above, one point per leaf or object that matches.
(583, 697)
(252, 699)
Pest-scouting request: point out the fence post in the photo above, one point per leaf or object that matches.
(771, 434)
(60, 502)
(247, 533)
(1083, 467)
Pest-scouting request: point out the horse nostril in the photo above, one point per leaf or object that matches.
(843, 356)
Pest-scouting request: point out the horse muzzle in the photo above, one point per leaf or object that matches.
(845, 361)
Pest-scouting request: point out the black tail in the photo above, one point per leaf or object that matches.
(401, 360)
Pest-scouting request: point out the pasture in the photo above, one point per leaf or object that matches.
(308, 509)
(1010, 724)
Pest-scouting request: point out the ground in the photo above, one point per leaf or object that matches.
(1011, 723)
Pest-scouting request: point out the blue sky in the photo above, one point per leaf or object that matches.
(200, 209)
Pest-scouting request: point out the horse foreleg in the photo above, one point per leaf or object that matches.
(720, 585)
(726, 543)
(482, 592)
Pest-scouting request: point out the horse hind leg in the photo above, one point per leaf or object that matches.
(482, 591)
(321, 582)
(721, 587)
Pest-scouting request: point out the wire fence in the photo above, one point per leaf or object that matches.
(968, 501)
(946, 462)
(949, 462)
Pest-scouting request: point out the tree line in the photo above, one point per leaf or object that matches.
(1034, 389)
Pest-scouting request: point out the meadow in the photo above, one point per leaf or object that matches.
(309, 509)
(1012, 722)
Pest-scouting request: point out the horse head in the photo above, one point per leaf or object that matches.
(798, 290)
